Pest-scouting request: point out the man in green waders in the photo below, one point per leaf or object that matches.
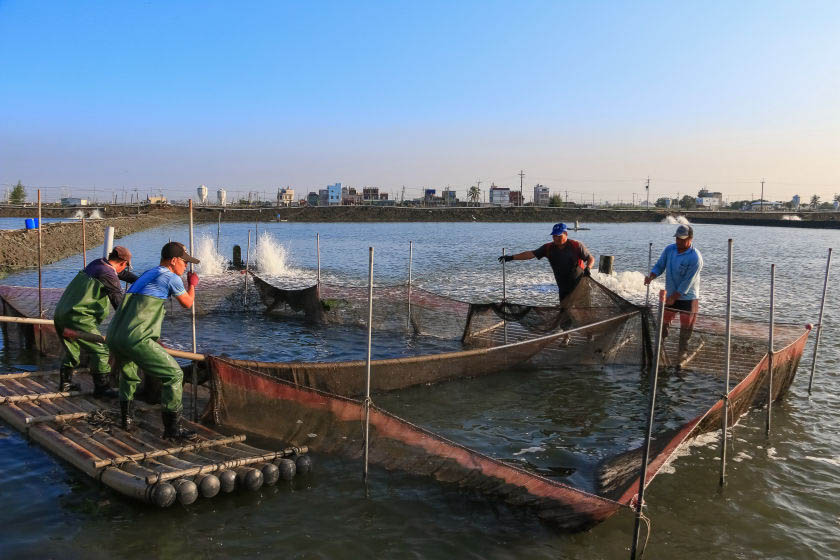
(135, 329)
(82, 307)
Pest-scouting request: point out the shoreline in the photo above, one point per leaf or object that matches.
(827, 220)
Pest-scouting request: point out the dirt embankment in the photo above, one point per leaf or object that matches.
(19, 248)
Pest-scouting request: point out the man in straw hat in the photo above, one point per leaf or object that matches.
(682, 264)
(82, 307)
(135, 329)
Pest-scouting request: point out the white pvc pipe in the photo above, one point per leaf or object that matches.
(318, 255)
(819, 323)
(108, 246)
(410, 256)
(504, 293)
(650, 265)
(770, 346)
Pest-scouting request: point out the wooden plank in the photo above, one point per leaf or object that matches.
(43, 396)
(56, 417)
(169, 451)
(162, 477)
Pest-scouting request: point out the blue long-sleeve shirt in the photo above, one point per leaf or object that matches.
(682, 271)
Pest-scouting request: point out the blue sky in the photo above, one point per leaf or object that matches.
(590, 97)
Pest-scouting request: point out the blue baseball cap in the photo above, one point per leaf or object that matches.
(559, 229)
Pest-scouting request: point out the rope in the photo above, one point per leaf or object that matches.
(644, 518)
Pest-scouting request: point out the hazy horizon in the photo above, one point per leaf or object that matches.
(590, 98)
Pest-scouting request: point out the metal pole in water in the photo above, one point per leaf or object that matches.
(218, 233)
(256, 234)
(318, 255)
(726, 374)
(40, 297)
(194, 379)
(84, 245)
(770, 347)
(650, 265)
(247, 262)
(651, 409)
(819, 324)
(504, 292)
(410, 256)
(367, 381)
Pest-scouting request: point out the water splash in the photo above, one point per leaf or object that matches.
(269, 257)
(674, 220)
(95, 215)
(792, 218)
(212, 263)
(629, 284)
(78, 215)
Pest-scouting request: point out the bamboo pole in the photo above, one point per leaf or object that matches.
(770, 347)
(728, 339)
(84, 244)
(40, 295)
(504, 294)
(70, 333)
(41, 396)
(367, 371)
(650, 265)
(648, 435)
(820, 322)
(247, 262)
(318, 255)
(56, 417)
(410, 256)
(170, 451)
(194, 380)
(24, 374)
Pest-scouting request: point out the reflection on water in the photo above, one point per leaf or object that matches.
(558, 422)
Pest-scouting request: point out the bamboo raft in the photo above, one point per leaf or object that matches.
(86, 432)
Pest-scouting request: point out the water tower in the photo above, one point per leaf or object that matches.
(795, 202)
(221, 196)
(202, 194)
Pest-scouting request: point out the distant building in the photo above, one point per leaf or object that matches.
(515, 198)
(312, 199)
(542, 196)
(155, 199)
(499, 195)
(709, 199)
(334, 194)
(323, 197)
(285, 197)
(70, 201)
(383, 196)
(350, 197)
(766, 204)
(795, 202)
(449, 198)
(370, 193)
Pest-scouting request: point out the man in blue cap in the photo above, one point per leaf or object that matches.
(569, 259)
(682, 264)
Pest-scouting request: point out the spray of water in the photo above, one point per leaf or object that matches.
(95, 215)
(212, 263)
(269, 256)
(792, 218)
(629, 284)
(678, 219)
(78, 215)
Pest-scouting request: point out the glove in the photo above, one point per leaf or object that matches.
(506, 258)
(192, 279)
(587, 272)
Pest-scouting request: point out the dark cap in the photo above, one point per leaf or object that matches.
(174, 249)
(120, 253)
(685, 232)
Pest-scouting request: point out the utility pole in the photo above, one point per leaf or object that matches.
(647, 192)
(762, 195)
(521, 179)
(567, 198)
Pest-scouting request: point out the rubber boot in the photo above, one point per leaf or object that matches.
(65, 382)
(127, 415)
(172, 426)
(102, 388)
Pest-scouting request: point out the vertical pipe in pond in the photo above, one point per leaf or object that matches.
(504, 293)
(40, 298)
(728, 343)
(219, 233)
(247, 263)
(84, 245)
(108, 246)
(256, 234)
(410, 256)
(819, 323)
(194, 379)
(367, 380)
(650, 265)
(770, 347)
(651, 409)
(318, 255)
